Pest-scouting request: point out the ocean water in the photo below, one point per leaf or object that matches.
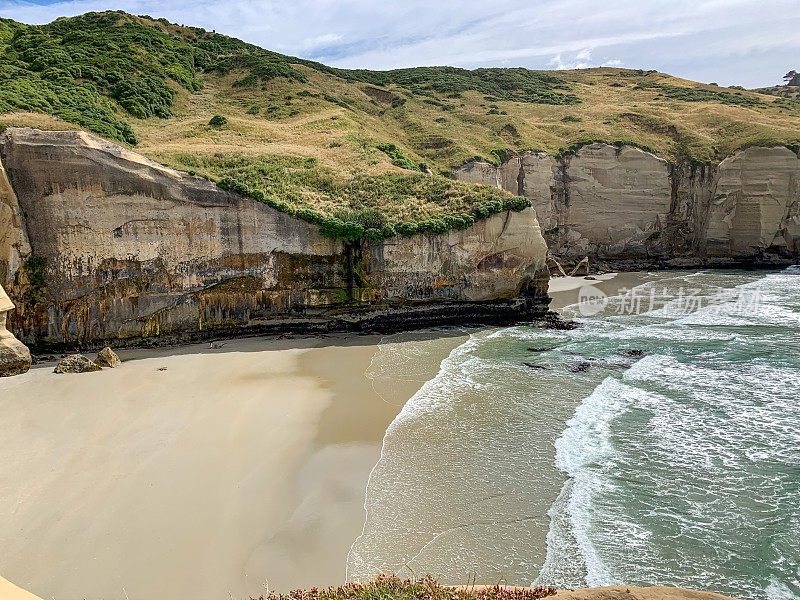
(658, 443)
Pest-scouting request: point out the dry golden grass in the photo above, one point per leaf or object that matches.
(345, 137)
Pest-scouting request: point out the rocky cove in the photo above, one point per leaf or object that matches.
(99, 245)
(102, 246)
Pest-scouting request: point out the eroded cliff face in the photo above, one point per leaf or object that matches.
(130, 250)
(13, 239)
(490, 260)
(627, 205)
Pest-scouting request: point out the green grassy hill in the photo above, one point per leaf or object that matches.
(358, 147)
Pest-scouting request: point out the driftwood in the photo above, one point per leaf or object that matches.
(558, 266)
(584, 263)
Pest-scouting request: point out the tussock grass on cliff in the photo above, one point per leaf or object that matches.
(304, 183)
(394, 588)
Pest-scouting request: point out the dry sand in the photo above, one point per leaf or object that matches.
(195, 473)
(567, 290)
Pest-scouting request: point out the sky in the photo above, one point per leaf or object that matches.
(730, 42)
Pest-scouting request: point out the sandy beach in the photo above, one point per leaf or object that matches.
(202, 473)
(197, 473)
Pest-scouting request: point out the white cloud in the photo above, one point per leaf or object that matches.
(583, 60)
(750, 42)
(320, 41)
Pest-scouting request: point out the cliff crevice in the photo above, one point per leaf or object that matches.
(625, 206)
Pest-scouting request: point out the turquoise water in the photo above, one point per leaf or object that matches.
(660, 444)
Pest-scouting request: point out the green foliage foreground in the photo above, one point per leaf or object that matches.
(85, 69)
(394, 588)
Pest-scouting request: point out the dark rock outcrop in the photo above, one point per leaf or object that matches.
(76, 363)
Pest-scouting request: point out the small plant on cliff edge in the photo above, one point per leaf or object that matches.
(500, 155)
(218, 121)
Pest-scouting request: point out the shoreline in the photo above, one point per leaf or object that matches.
(214, 474)
(342, 400)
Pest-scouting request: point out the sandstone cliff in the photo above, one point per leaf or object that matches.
(627, 205)
(15, 358)
(117, 247)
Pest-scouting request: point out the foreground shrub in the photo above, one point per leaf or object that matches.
(394, 588)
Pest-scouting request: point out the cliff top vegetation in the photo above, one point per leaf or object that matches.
(314, 137)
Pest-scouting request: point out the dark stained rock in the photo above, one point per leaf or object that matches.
(633, 352)
(535, 366)
(76, 363)
(580, 367)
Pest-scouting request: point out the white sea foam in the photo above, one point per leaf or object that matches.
(580, 452)
(719, 432)
(678, 471)
(359, 564)
(777, 590)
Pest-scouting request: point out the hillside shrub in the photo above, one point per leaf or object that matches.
(689, 94)
(397, 156)
(81, 68)
(218, 121)
(517, 84)
(500, 155)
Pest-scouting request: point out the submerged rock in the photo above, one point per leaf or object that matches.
(535, 366)
(580, 367)
(15, 358)
(107, 358)
(633, 352)
(76, 363)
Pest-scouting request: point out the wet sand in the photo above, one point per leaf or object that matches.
(196, 473)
